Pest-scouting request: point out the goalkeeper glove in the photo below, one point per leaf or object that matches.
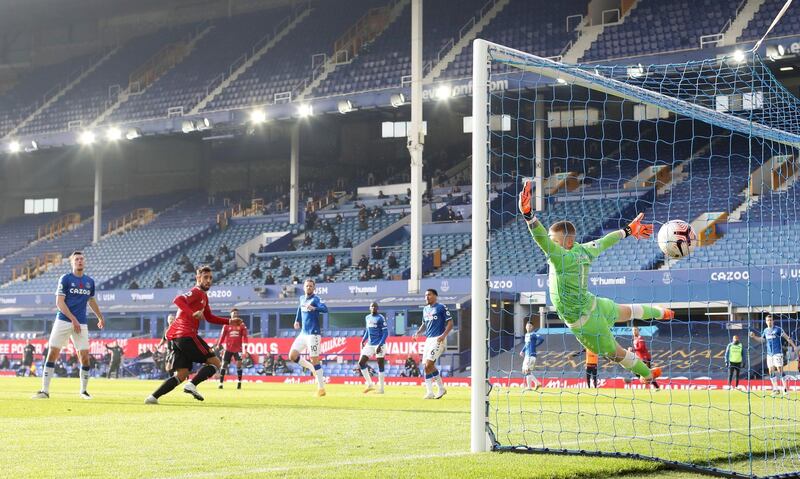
(637, 229)
(525, 201)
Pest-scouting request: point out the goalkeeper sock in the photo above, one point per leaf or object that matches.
(47, 374)
(367, 378)
(204, 373)
(84, 375)
(320, 377)
(642, 311)
(635, 365)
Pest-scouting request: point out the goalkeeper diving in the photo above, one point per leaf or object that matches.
(589, 317)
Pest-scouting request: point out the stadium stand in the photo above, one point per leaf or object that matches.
(539, 27)
(789, 24)
(654, 26)
(288, 65)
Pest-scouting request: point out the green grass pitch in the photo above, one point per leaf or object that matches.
(277, 430)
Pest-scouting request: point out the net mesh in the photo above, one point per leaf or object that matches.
(713, 143)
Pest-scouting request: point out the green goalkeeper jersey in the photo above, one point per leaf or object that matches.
(568, 277)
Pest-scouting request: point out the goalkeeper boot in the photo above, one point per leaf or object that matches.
(668, 314)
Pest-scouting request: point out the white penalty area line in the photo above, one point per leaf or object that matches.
(364, 462)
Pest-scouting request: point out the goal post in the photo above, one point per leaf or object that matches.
(601, 144)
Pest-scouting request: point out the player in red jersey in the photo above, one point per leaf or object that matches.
(640, 348)
(185, 346)
(234, 339)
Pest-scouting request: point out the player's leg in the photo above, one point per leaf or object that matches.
(299, 346)
(588, 377)
(80, 340)
(180, 375)
(83, 356)
(226, 361)
(530, 378)
(628, 312)
(772, 373)
(362, 366)
(381, 367)
(594, 376)
(433, 349)
(782, 377)
(239, 370)
(605, 315)
(314, 341)
(730, 375)
(59, 335)
(653, 383)
(737, 369)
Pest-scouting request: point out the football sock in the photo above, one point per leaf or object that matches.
(222, 373)
(239, 372)
(47, 375)
(319, 374)
(642, 311)
(429, 383)
(168, 385)
(367, 378)
(204, 373)
(380, 380)
(84, 375)
(305, 363)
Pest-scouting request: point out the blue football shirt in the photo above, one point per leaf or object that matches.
(76, 290)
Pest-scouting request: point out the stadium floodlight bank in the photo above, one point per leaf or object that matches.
(604, 132)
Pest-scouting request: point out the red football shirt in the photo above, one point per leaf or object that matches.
(185, 324)
(233, 337)
(640, 346)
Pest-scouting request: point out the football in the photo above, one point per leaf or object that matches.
(676, 239)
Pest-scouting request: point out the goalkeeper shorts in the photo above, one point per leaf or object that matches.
(593, 330)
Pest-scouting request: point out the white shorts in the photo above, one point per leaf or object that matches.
(307, 341)
(62, 331)
(377, 351)
(528, 364)
(433, 349)
(774, 360)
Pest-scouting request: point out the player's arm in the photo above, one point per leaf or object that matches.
(384, 334)
(61, 304)
(101, 322)
(298, 318)
(319, 306)
(539, 340)
(756, 337)
(447, 329)
(577, 353)
(727, 350)
(788, 339)
(365, 335)
(419, 330)
(635, 228)
(244, 339)
(222, 338)
(212, 318)
(182, 302)
(535, 227)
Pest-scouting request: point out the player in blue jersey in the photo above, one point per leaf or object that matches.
(532, 341)
(772, 335)
(437, 324)
(308, 321)
(374, 344)
(74, 292)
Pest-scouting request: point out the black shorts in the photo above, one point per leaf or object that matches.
(591, 370)
(229, 355)
(183, 352)
(735, 366)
